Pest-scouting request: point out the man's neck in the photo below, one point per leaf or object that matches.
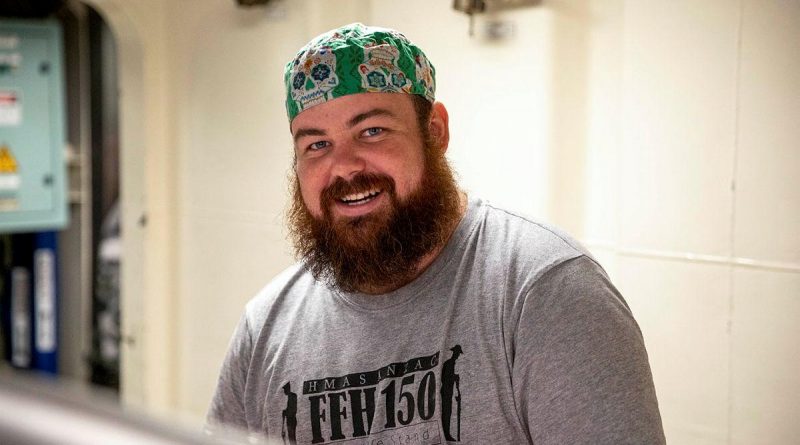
(426, 260)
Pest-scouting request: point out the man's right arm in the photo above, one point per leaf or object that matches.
(227, 404)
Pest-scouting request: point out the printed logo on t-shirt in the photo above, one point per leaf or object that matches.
(343, 409)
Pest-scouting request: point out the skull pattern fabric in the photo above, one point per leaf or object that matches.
(356, 59)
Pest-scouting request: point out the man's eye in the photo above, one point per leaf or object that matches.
(374, 131)
(318, 145)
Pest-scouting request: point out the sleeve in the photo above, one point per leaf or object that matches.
(581, 373)
(227, 405)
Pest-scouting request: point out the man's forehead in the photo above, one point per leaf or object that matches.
(348, 109)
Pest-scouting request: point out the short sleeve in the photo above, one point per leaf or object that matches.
(227, 404)
(580, 372)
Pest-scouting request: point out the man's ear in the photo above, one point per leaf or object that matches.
(439, 126)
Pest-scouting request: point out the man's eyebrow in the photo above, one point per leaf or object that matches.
(308, 132)
(351, 123)
(371, 113)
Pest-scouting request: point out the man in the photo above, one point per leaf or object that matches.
(289, 415)
(419, 315)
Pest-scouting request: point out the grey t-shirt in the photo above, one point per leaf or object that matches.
(512, 335)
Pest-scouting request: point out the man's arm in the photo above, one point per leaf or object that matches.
(581, 373)
(227, 404)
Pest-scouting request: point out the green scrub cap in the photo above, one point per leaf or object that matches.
(356, 59)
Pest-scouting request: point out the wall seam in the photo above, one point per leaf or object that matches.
(732, 266)
(694, 257)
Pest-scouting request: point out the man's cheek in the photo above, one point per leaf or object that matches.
(312, 201)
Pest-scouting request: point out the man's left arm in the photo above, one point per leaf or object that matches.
(581, 373)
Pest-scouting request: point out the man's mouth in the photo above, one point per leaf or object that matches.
(355, 199)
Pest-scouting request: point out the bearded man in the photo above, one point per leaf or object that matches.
(417, 314)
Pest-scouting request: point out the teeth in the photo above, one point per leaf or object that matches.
(360, 196)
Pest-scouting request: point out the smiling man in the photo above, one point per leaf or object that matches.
(417, 315)
(374, 197)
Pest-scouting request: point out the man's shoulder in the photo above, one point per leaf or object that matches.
(285, 290)
(519, 247)
(521, 233)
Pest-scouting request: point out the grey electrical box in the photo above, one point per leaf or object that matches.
(32, 169)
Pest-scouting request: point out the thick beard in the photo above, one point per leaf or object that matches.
(381, 251)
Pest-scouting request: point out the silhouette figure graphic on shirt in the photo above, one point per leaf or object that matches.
(450, 382)
(289, 416)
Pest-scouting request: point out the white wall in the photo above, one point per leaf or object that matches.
(707, 240)
(661, 133)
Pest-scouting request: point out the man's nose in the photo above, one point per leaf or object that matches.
(347, 161)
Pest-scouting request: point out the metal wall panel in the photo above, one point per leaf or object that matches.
(32, 169)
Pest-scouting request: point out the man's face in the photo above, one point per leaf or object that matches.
(372, 134)
(373, 193)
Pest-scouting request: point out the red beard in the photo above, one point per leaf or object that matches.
(381, 251)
